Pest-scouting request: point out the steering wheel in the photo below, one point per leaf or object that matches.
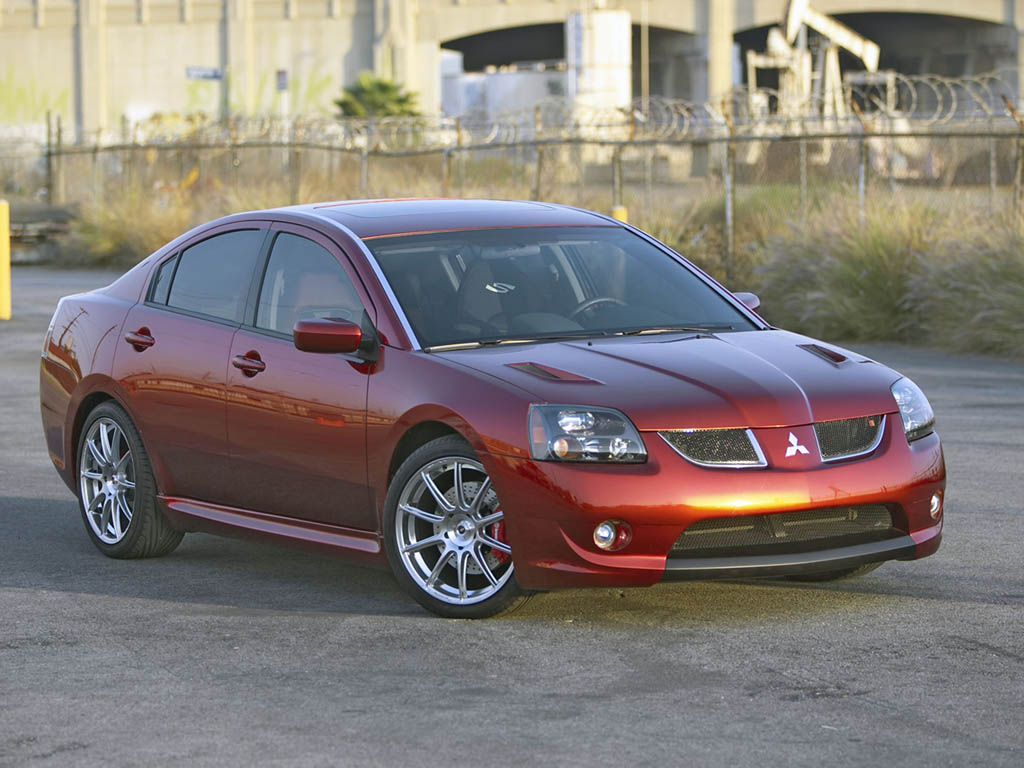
(583, 306)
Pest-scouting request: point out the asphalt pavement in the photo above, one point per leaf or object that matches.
(236, 653)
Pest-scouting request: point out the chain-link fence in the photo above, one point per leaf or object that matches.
(711, 195)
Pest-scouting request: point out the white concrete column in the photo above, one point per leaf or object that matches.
(1018, 23)
(90, 64)
(721, 16)
(599, 57)
(237, 58)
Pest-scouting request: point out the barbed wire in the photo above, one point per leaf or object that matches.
(886, 101)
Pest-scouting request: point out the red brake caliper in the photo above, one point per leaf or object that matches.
(498, 533)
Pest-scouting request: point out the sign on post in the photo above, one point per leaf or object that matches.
(203, 73)
(282, 80)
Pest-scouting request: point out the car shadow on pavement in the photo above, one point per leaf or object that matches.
(47, 548)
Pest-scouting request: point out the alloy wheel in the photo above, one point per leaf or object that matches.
(450, 532)
(107, 479)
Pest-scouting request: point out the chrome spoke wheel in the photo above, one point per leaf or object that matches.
(106, 471)
(450, 532)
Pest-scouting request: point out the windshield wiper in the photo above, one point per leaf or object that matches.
(707, 328)
(582, 334)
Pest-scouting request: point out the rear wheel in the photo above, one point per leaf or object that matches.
(444, 532)
(845, 573)
(116, 489)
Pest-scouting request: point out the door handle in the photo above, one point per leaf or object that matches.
(249, 363)
(141, 340)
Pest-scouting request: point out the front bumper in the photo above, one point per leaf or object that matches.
(551, 510)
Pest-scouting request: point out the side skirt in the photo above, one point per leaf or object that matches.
(191, 515)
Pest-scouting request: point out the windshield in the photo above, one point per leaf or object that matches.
(494, 285)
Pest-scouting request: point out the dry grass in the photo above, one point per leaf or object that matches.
(917, 269)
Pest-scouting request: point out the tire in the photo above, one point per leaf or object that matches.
(845, 573)
(445, 547)
(116, 488)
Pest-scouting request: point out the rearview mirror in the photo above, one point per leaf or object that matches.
(750, 300)
(327, 336)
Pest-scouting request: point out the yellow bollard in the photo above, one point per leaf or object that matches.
(5, 260)
(619, 212)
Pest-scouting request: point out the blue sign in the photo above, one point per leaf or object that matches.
(203, 73)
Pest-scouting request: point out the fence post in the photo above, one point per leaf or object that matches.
(58, 175)
(49, 158)
(619, 210)
(993, 174)
(862, 164)
(295, 164)
(446, 171)
(460, 166)
(729, 179)
(364, 172)
(862, 173)
(803, 180)
(538, 129)
(5, 260)
(1018, 173)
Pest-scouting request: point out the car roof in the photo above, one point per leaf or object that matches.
(375, 218)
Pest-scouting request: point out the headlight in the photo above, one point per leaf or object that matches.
(582, 433)
(918, 417)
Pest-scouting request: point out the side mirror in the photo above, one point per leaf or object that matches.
(750, 300)
(327, 336)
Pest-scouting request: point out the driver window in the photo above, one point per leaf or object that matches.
(304, 281)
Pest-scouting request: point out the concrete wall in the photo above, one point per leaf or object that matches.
(94, 60)
(128, 57)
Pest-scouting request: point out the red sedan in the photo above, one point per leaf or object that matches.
(492, 398)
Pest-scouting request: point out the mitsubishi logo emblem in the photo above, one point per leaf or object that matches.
(794, 446)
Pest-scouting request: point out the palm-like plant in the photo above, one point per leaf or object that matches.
(372, 96)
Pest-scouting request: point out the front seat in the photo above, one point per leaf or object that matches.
(480, 304)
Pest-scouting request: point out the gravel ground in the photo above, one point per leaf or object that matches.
(235, 653)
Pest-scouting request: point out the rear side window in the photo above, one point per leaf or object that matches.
(162, 282)
(213, 276)
(304, 281)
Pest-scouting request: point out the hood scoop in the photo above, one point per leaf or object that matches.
(549, 373)
(826, 354)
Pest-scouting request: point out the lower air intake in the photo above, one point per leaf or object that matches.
(783, 532)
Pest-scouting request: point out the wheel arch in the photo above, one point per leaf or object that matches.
(414, 437)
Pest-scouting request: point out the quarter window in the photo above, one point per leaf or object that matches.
(162, 283)
(304, 281)
(213, 276)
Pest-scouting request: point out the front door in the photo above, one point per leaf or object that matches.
(296, 421)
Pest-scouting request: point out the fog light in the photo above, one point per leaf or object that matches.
(612, 535)
(934, 509)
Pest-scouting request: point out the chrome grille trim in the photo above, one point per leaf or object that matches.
(879, 432)
(760, 464)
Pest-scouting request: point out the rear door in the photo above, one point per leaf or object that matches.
(173, 360)
(296, 421)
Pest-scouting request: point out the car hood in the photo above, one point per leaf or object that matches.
(766, 378)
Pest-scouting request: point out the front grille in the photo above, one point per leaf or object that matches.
(848, 437)
(784, 532)
(724, 447)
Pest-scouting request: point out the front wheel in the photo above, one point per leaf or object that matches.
(444, 532)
